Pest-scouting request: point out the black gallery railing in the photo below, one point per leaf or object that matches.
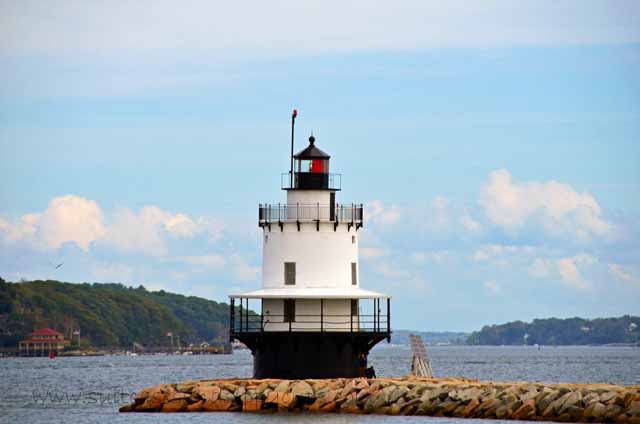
(279, 213)
(311, 180)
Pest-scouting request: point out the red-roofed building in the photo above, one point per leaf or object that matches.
(42, 342)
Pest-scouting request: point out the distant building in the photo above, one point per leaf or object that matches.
(42, 342)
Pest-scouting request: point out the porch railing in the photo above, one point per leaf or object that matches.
(372, 323)
(249, 322)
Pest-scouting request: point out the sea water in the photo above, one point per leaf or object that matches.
(91, 389)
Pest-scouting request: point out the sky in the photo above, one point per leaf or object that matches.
(494, 144)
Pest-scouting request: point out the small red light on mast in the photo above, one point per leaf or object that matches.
(295, 113)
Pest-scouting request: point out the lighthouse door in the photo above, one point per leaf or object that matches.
(332, 206)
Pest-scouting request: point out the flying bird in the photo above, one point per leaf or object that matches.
(56, 266)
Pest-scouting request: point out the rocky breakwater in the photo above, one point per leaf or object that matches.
(461, 398)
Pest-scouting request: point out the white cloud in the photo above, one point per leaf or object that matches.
(617, 271)
(207, 261)
(373, 252)
(486, 252)
(180, 225)
(560, 210)
(585, 258)
(569, 272)
(439, 215)
(438, 257)
(437, 218)
(141, 232)
(214, 228)
(24, 228)
(379, 214)
(243, 271)
(539, 262)
(214, 28)
(493, 287)
(498, 251)
(69, 219)
(540, 268)
(470, 224)
(387, 270)
(440, 203)
(74, 219)
(80, 48)
(146, 230)
(419, 285)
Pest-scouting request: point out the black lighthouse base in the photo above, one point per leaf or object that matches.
(299, 355)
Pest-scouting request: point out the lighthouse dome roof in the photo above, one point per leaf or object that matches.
(311, 151)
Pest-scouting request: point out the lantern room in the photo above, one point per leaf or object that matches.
(312, 159)
(311, 169)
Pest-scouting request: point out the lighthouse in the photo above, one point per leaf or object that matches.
(311, 318)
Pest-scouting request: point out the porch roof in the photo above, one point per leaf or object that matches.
(310, 293)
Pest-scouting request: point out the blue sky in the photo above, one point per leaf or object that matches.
(495, 146)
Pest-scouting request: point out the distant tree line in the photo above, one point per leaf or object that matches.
(114, 315)
(430, 337)
(554, 331)
(109, 315)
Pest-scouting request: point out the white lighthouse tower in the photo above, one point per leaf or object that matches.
(313, 319)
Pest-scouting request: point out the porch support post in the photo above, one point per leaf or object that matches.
(321, 315)
(388, 314)
(351, 316)
(231, 317)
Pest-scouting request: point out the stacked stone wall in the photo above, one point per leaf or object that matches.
(462, 398)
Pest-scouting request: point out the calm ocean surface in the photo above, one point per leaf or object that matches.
(90, 390)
